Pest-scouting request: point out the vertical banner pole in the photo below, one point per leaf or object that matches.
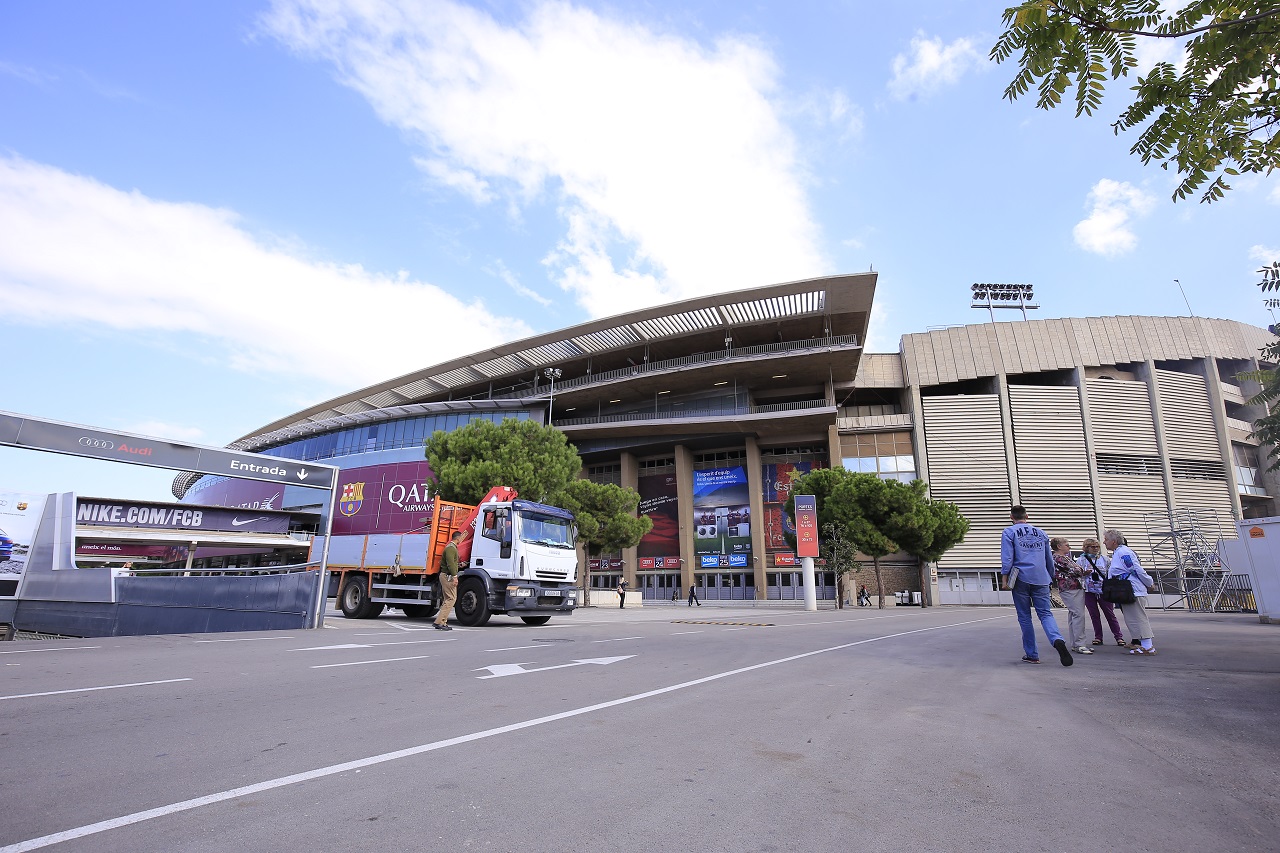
(807, 545)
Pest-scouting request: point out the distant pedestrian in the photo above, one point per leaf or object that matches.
(1024, 548)
(1097, 566)
(622, 593)
(693, 595)
(1070, 577)
(675, 594)
(448, 581)
(864, 600)
(1124, 564)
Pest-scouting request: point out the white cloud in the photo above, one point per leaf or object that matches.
(930, 65)
(1264, 254)
(77, 252)
(500, 270)
(1274, 195)
(1106, 230)
(668, 160)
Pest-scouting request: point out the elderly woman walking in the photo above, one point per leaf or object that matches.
(1070, 578)
(1096, 565)
(1124, 564)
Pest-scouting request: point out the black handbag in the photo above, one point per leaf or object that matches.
(1118, 590)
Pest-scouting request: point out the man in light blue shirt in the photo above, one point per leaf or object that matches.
(1025, 547)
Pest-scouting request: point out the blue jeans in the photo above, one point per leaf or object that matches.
(1026, 595)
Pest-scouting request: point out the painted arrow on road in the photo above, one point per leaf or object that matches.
(500, 670)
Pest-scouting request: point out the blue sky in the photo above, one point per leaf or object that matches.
(215, 214)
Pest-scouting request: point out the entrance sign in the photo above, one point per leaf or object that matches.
(806, 525)
(36, 434)
(76, 440)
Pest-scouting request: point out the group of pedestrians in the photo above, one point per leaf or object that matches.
(1031, 562)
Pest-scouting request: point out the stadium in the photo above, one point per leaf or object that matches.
(711, 407)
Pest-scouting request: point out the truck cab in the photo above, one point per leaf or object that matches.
(522, 562)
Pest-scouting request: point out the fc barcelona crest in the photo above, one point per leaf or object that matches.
(352, 497)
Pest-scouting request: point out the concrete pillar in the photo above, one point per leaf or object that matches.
(755, 488)
(1010, 454)
(1217, 405)
(630, 479)
(1153, 391)
(1081, 380)
(684, 507)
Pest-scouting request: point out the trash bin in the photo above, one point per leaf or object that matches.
(915, 598)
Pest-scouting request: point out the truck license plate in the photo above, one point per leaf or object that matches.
(551, 593)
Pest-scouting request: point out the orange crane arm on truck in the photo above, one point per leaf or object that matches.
(450, 516)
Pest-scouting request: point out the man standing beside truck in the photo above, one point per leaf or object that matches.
(448, 581)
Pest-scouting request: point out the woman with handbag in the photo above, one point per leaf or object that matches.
(1096, 566)
(1124, 564)
(1070, 579)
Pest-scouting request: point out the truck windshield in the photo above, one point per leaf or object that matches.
(540, 529)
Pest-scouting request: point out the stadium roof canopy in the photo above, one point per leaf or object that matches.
(764, 321)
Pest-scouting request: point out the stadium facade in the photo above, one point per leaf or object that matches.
(711, 407)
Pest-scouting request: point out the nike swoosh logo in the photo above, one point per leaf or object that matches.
(236, 522)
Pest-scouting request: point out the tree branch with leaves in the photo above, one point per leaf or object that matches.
(1215, 118)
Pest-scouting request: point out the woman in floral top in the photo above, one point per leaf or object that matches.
(1070, 579)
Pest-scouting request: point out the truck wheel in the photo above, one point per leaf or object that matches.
(419, 611)
(354, 599)
(536, 620)
(473, 603)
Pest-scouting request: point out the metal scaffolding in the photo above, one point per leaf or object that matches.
(1185, 559)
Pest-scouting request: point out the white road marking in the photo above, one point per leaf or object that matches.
(616, 639)
(244, 640)
(501, 670)
(517, 648)
(677, 633)
(59, 649)
(370, 645)
(91, 689)
(409, 752)
(363, 662)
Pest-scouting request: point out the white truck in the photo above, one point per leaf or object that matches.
(518, 558)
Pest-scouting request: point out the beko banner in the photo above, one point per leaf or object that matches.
(35, 434)
(91, 512)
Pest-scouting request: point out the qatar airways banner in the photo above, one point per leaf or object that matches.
(394, 498)
(660, 547)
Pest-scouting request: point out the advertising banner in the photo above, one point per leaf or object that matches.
(19, 516)
(93, 512)
(721, 518)
(660, 547)
(778, 479)
(392, 498)
(806, 526)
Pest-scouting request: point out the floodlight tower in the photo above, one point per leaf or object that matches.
(993, 296)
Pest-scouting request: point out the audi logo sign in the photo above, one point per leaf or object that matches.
(37, 434)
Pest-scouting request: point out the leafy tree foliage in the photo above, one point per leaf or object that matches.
(947, 529)
(1215, 118)
(841, 557)
(606, 516)
(880, 517)
(536, 460)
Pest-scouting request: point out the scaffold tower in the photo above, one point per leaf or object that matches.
(1185, 559)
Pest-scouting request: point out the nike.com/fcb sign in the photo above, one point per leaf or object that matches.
(93, 513)
(35, 434)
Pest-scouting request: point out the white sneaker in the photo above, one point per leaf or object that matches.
(1083, 650)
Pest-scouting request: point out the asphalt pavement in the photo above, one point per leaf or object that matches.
(721, 728)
